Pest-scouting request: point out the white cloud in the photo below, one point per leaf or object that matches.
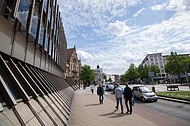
(158, 7)
(118, 28)
(179, 5)
(139, 12)
(85, 56)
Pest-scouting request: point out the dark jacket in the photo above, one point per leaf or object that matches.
(100, 90)
(128, 93)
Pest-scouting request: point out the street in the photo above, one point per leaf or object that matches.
(162, 112)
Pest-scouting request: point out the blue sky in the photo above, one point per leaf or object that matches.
(115, 33)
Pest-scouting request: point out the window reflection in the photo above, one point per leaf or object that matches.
(50, 47)
(45, 5)
(53, 51)
(52, 21)
(46, 45)
(34, 25)
(49, 15)
(22, 13)
(41, 35)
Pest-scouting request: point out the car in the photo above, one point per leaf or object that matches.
(109, 87)
(121, 86)
(144, 93)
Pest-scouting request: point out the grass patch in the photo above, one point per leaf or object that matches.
(177, 94)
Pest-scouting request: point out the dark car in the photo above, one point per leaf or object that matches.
(144, 93)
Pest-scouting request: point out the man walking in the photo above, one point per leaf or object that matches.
(128, 97)
(118, 97)
(100, 92)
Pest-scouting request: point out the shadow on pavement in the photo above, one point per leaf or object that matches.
(92, 104)
(114, 115)
(107, 114)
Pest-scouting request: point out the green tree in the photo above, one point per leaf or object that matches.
(155, 69)
(143, 71)
(174, 65)
(86, 74)
(123, 78)
(110, 80)
(132, 73)
(105, 77)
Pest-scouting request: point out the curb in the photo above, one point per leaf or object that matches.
(174, 100)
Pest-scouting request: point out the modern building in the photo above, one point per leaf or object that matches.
(73, 66)
(159, 60)
(33, 85)
(99, 75)
(155, 59)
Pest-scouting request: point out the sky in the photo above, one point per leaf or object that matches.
(115, 33)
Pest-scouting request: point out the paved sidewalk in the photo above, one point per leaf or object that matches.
(86, 111)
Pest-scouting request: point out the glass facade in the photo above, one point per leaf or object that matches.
(41, 35)
(22, 13)
(45, 5)
(50, 47)
(53, 55)
(46, 45)
(34, 25)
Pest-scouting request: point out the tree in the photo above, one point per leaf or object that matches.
(155, 69)
(110, 80)
(86, 74)
(105, 77)
(174, 65)
(132, 73)
(123, 78)
(143, 71)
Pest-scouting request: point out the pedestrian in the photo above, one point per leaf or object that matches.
(92, 88)
(100, 92)
(118, 97)
(128, 98)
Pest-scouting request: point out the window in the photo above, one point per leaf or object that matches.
(152, 63)
(46, 45)
(156, 63)
(50, 47)
(160, 62)
(151, 59)
(156, 59)
(161, 66)
(41, 35)
(162, 70)
(160, 58)
(7, 6)
(53, 56)
(49, 15)
(45, 5)
(22, 13)
(155, 55)
(52, 22)
(34, 25)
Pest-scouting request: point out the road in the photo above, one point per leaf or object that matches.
(162, 112)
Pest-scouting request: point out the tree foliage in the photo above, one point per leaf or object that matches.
(105, 77)
(155, 69)
(143, 71)
(131, 73)
(87, 74)
(110, 80)
(175, 64)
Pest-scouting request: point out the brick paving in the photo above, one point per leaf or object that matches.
(86, 111)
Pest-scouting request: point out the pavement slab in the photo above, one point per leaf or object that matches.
(86, 111)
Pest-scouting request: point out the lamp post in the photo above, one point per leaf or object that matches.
(185, 68)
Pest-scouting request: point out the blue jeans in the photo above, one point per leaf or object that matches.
(119, 100)
(101, 98)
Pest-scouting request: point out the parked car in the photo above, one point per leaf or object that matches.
(121, 86)
(144, 93)
(109, 87)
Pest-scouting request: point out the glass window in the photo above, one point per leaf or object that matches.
(156, 63)
(156, 59)
(161, 66)
(155, 55)
(50, 47)
(41, 35)
(34, 25)
(45, 5)
(46, 46)
(55, 29)
(53, 51)
(7, 6)
(152, 63)
(151, 59)
(22, 13)
(49, 15)
(160, 62)
(160, 58)
(52, 21)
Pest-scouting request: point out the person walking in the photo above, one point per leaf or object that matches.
(100, 92)
(118, 97)
(128, 97)
(92, 88)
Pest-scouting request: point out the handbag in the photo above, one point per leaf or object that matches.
(133, 102)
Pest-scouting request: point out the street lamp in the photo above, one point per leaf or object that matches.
(185, 68)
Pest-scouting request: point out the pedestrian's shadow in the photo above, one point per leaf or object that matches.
(92, 104)
(108, 114)
(113, 114)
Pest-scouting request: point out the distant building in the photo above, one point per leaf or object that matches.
(99, 75)
(111, 76)
(159, 60)
(155, 59)
(73, 66)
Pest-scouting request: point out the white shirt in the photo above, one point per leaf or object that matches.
(118, 93)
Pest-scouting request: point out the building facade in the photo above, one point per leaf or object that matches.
(33, 88)
(98, 75)
(155, 59)
(73, 66)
